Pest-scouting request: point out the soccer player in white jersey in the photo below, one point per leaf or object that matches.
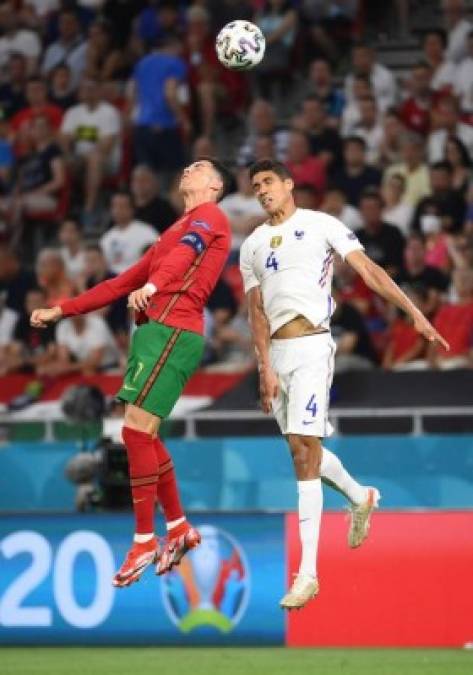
(287, 266)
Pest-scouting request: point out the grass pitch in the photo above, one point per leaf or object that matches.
(232, 661)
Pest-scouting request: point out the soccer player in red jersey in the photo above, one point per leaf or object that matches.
(168, 287)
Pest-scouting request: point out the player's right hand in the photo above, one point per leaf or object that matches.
(269, 387)
(40, 318)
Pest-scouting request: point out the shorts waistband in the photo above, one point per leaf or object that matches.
(280, 342)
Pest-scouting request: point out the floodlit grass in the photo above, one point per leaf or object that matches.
(232, 661)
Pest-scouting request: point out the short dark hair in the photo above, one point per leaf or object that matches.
(273, 165)
(438, 32)
(223, 172)
(124, 193)
(358, 140)
(442, 165)
(372, 193)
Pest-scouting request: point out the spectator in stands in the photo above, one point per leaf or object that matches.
(103, 59)
(443, 71)
(203, 146)
(125, 242)
(157, 80)
(351, 112)
(304, 167)
(397, 211)
(370, 129)
(335, 203)
(450, 202)
(262, 121)
(354, 348)
(428, 220)
(383, 243)
(278, 22)
(306, 197)
(355, 175)
(84, 345)
(417, 273)
(460, 161)
(325, 141)
(41, 177)
(464, 79)
(52, 276)
(243, 210)
(16, 39)
(12, 91)
(390, 147)
(450, 125)
(15, 280)
(222, 305)
(461, 251)
(232, 342)
(150, 206)
(90, 135)
(8, 319)
(29, 347)
(72, 249)
(157, 22)
(352, 289)
(264, 147)
(38, 105)
(117, 314)
(321, 86)
(458, 27)
(381, 79)
(405, 349)
(455, 321)
(7, 162)
(69, 48)
(413, 169)
(61, 92)
(416, 109)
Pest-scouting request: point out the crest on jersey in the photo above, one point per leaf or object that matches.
(299, 234)
(276, 241)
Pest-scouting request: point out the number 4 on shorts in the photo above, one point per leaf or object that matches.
(312, 406)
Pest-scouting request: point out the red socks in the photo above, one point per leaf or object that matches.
(144, 473)
(166, 489)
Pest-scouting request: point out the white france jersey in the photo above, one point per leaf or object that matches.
(293, 264)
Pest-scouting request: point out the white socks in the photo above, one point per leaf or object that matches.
(174, 523)
(333, 470)
(143, 538)
(310, 514)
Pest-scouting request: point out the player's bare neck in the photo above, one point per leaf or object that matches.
(193, 199)
(282, 214)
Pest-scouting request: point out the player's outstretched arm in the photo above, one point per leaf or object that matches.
(269, 384)
(376, 278)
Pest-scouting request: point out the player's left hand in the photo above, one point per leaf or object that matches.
(139, 299)
(425, 328)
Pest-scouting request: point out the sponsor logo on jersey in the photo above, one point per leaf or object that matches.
(299, 234)
(200, 223)
(275, 241)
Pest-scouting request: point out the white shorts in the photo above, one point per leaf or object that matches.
(304, 366)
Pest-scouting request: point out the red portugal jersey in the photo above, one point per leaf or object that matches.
(184, 265)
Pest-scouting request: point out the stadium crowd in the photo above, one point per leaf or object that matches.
(103, 102)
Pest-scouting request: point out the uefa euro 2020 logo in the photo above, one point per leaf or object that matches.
(211, 586)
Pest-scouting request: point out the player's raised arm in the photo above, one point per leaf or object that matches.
(379, 281)
(98, 296)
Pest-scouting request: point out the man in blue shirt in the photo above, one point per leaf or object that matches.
(161, 118)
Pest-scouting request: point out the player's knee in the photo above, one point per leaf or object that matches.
(136, 418)
(306, 455)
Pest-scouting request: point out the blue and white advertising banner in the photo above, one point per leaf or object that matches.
(56, 572)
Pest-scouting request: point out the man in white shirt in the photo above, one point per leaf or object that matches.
(443, 71)
(85, 345)
(124, 243)
(17, 40)
(458, 28)
(287, 267)
(464, 78)
(382, 80)
(243, 209)
(90, 135)
(449, 116)
(369, 129)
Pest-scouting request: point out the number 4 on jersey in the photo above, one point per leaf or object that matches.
(312, 406)
(272, 262)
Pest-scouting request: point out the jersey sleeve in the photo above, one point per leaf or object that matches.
(246, 268)
(207, 223)
(340, 237)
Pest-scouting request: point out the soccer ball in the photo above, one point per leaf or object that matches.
(240, 45)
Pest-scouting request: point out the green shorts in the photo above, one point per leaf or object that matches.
(160, 362)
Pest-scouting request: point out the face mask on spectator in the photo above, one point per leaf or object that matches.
(430, 224)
